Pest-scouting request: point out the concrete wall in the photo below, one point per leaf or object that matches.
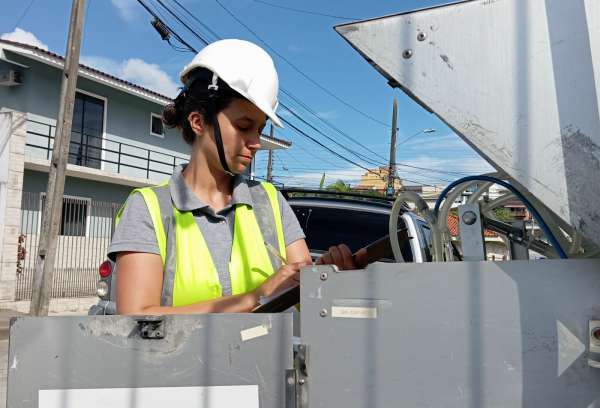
(13, 141)
(36, 182)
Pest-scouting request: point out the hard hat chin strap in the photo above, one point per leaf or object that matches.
(212, 96)
(220, 148)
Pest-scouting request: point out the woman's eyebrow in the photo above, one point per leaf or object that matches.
(251, 120)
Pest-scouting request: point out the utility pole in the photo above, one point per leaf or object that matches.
(51, 216)
(270, 162)
(392, 168)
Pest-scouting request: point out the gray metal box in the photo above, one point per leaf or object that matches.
(211, 360)
(468, 334)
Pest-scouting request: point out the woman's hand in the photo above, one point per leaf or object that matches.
(341, 256)
(286, 277)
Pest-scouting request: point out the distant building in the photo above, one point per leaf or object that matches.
(429, 193)
(377, 179)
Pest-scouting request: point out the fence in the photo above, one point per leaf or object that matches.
(85, 232)
(96, 152)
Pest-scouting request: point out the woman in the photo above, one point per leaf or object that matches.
(204, 241)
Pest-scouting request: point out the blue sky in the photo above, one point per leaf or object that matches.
(119, 39)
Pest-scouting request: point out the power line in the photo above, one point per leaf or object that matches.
(310, 79)
(327, 91)
(456, 173)
(327, 148)
(306, 107)
(328, 123)
(315, 13)
(358, 155)
(194, 33)
(191, 48)
(283, 105)
(22, 16)
(207, 28)
(171, 31)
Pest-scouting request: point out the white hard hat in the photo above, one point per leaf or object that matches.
(245, 67)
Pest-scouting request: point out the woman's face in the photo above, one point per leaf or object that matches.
(241, 124)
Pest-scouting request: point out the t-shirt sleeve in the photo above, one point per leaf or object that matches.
(135, 231)
(292, 231)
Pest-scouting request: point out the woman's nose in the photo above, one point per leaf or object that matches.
(253, 142)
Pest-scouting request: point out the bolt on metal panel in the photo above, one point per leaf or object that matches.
(470, 227)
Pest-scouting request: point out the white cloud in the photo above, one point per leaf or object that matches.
(126, 8)
(135, 70)
(25, 37)
(102, 64)
(149, 76)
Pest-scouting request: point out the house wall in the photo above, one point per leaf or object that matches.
(36, 182)
(128, 120)
(104, 198)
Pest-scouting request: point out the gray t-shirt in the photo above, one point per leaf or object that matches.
(135, 232)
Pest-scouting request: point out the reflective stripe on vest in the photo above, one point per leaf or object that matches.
(152, 202)
(195, 276)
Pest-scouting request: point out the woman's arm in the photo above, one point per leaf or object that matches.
(297, 252)
(140, 280)
(139, 289)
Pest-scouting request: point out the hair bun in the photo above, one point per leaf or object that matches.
(173, 113)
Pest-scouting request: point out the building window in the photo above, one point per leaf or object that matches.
(156, 125)
(74, 217)
(87, 130)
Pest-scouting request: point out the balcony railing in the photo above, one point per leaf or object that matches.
(103, 153)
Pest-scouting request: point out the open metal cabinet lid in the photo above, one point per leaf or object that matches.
(518, 80)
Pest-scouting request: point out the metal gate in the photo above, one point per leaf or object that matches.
(85, 232)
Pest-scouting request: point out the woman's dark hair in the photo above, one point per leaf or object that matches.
(197, 98)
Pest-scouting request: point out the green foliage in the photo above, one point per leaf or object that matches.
(503, 214)
(339, 186)
(322, 183)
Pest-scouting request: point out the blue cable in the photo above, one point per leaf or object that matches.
(516, 192)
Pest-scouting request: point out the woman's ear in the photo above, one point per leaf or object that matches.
(197, 123)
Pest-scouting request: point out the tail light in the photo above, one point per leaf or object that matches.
(105, 269)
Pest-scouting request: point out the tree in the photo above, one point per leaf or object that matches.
(339, 186)
(322, 183)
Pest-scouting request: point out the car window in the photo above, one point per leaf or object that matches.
(326, 226)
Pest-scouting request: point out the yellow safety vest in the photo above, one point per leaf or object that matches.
(196, 278)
